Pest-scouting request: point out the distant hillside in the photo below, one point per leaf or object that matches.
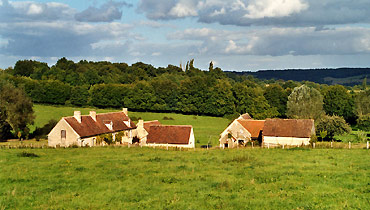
(343, 76)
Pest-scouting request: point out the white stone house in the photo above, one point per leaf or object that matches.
(241, 131)
(82, 130)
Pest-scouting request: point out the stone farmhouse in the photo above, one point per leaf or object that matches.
(82, 130)
(241, 131)
(85, 131)
(269, 132)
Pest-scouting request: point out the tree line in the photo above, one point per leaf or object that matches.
(184, 89)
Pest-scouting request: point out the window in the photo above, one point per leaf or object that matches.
(63, 134)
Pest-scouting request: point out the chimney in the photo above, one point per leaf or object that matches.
(77, 116)
(140, 124)
(93, 115)
(124, 110)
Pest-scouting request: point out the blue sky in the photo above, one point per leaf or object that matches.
(234, 34)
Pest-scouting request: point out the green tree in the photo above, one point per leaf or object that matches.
(363, 122)
(362, 103)
(337, 101)
(79, 95)
(305, 102)
(333, 125)
(364, 84)
(15, 110)
(277, 97)
(252, 101)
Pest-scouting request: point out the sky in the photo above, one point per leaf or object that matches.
(240, 35)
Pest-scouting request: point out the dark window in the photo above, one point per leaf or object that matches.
(63, 134)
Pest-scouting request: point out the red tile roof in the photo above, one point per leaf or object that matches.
(88, 127)
(301, 128)
(147, 124)
(253, 126)
(171, 134)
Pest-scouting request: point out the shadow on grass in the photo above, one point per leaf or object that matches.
(28, 154)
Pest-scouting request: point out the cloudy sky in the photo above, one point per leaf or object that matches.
(234, 34)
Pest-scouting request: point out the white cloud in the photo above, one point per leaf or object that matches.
(261, 12)
(108, 12)
(183, 9)
(34, 9)
(274, 8)
(279, 41)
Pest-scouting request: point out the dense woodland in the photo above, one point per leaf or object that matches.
(343, 76)
(185, 89)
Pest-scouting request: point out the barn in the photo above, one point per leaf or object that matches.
(291, 132)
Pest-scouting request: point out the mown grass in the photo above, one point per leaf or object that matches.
(205, 128)
(145, 178)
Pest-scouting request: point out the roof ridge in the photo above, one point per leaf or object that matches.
(88, 115)
(172, 125)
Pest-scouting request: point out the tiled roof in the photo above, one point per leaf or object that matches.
(147, 124)
(88, 127)
(301, 128)
(171, 134)
(253, 126)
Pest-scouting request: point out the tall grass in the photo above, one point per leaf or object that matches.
(146, 178)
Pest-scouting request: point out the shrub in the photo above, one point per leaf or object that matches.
(133, 118)
(42, 132)
(363, 122)
(333, 125)
(28, 154)
(361, 136)
(167, 118)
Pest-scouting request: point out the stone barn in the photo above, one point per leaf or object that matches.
(291, 132)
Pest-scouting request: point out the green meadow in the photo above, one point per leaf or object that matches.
(146, 178)
(205, 128)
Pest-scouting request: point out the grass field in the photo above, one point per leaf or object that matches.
(145, 178)
(205, 128)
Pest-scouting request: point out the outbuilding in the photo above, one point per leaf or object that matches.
(291, 132)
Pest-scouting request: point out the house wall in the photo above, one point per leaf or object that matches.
(54, 137)
(237, 131)
(291, 141)
(90, 141)
(141, 133)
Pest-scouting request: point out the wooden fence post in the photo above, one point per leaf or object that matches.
(252, 144)
(268, 145)
(367, 145)
(314, 145)
(349, 145)
(283, 146)
(331, 144)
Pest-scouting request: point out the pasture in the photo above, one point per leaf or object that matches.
(146, 178)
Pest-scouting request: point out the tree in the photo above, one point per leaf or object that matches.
(252, 101)
(277, 97)
(79, 95)
(337, 101)
(333, 125)
(16, 111)
(364, 84)
(363, 122)
(362, 103)
(305, 102)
